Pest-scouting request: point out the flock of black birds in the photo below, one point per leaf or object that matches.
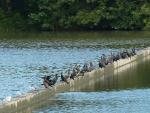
(87, 67)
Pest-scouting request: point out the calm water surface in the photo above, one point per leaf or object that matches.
(125, 101)
(26, 57)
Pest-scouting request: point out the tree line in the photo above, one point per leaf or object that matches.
(57, 15)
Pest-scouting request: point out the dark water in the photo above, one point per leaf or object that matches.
(25, 57)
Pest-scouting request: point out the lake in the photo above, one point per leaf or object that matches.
(25, 57)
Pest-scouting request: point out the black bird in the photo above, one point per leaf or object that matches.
(49, 82)
(85, 68)
(133, 51)
(118, 56)
(54, 80)
(101, 62)
(104, 59)
(64, 78)
(77, 68)
(46, 81)
(73, 74)
(113, 57)
(110, 59)
(46, 85)
(124, 55)
(129, 54)
(91, 66)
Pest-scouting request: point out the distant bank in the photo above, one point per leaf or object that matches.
(66, 15)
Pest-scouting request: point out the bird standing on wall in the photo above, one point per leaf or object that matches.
(64, 78)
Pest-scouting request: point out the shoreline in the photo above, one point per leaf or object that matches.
(73, 34)
(29, 99)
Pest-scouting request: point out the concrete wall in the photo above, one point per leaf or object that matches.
(36, 99)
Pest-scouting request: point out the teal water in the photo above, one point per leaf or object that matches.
(123, 101)
(24, 58)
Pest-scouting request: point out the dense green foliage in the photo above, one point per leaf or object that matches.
(54, 15)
